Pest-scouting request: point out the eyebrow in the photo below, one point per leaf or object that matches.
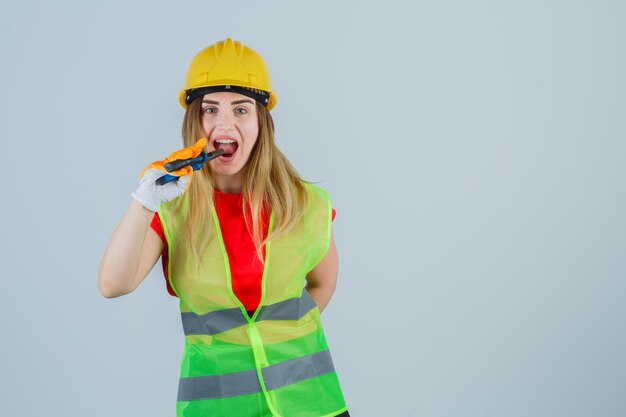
(232, 103)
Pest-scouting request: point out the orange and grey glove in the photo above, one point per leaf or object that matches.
(150, 194)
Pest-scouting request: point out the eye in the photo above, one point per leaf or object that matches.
(241, 110)
(209, 110)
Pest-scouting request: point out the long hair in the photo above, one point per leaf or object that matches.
(270, 182)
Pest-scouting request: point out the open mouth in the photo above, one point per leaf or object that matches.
(228, 145)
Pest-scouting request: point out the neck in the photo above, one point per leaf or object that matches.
(230, 184)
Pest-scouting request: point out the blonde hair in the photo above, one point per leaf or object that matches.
(269, 181)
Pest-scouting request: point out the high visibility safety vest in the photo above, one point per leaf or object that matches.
(275, 363)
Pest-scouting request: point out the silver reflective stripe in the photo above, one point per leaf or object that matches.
(291, 309)
(218, 386)
(212, 323)
(222, 320)
(299, 369)
(247, 382)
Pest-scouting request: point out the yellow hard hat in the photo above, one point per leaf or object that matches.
(228, 66)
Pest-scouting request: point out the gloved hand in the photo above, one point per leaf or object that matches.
(151, 195)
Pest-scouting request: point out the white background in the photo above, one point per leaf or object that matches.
(475, 153)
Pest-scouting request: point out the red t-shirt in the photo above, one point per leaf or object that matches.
(246, 269)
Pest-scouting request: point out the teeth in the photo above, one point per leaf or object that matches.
(224, 141)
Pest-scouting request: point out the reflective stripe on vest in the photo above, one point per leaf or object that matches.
(247, 382)
(220, 321)
(276, 362)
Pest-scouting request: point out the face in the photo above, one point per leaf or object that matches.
(229, 121)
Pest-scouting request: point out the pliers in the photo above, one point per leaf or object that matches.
(196, 163)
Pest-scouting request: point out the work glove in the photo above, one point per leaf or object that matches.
(150, 194)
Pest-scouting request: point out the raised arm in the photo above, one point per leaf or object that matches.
(131, 253)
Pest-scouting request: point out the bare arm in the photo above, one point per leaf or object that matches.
(322, 279)
(131, 253)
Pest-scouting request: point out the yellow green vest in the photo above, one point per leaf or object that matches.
(275, 363)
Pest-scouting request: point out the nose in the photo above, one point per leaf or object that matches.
(225, 121)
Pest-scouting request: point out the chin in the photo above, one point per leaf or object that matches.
(227, 170)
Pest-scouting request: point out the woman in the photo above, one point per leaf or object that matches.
(247, 248)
